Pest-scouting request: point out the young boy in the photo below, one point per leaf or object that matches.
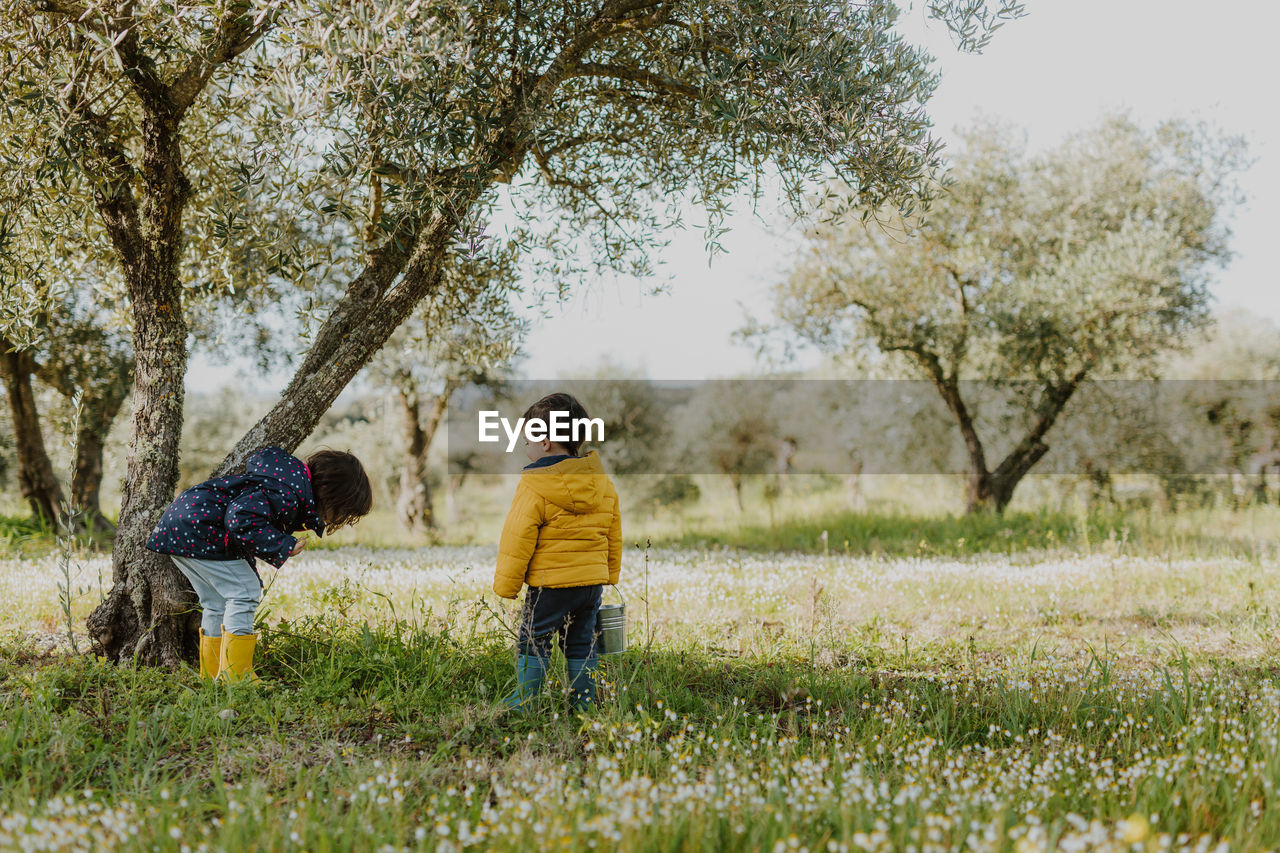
(563, 537)
(213, 532)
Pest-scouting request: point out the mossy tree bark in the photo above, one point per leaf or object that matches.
(149, 615)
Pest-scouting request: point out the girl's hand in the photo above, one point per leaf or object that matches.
(297, 548)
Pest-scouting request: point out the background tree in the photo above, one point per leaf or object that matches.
(640, 448)
(623, 108)
(1029, 273)
(49, 288)
(1208, 421)
(90, 364)
(91, 367)
(636, 420)
(1236, 367)
(467, 334)
(729, 428)
(37, 483)
(22, 286)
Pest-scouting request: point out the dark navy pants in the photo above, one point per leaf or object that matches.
(568, 614)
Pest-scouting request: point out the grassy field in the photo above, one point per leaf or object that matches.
(1102, 689)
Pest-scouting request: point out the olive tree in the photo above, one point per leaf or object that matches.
(37, 483)
(731, 428)
(401, 121)
(1030, 274)
(90, 367)
(468, 333)
(60, 323)
(89, 362)
(22, 285)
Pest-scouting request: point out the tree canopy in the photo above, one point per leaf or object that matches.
(1030, 273)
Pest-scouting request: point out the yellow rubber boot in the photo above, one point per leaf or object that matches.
(236, 660)
(210, 655)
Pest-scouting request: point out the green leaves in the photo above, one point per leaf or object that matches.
(1032, 272)
(326, 143)
(697, 97)
(1090, 257)
(973, 22)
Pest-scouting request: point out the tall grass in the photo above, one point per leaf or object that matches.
(911, 535)
(23, 534)
(1248, 532)
(364, 737)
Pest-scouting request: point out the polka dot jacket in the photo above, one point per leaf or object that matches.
(243, 516)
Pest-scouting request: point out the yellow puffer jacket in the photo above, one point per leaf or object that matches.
(564, 529)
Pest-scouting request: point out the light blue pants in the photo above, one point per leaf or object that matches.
(229, 592)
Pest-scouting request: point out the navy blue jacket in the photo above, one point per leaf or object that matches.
(243, 516)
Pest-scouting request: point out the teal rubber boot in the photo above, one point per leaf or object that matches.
(531, 671)
(582, 682)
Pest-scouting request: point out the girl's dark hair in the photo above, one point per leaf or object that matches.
(341, 488)
(558, 403)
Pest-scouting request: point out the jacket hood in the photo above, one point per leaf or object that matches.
(284, 467)
(577, 484)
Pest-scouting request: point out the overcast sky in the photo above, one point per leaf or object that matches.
(1059, 69)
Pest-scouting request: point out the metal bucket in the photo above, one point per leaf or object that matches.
(611, 627)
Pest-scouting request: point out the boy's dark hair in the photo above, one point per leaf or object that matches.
(341, 488)
(558, 403)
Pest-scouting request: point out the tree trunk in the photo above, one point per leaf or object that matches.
(149, 615)
(414, 504)
(36, 481)
(980, 492)
(415, 508)
(987, 490)
(977, 491)
(100, 393)
(376, 304)
(97, 414)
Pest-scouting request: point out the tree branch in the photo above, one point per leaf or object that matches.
(75, 11)
(384, 264)
(231, 36)
(1032, 446)
(138, 66)
(660, 82)
(611, 18)
(949, 388)
(622, 8)
(114, 199)
(961, 346)
(543, 159)
(960, 282)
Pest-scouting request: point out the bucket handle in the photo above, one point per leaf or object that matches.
(614, 587)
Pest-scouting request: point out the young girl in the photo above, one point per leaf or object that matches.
(213, 532)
